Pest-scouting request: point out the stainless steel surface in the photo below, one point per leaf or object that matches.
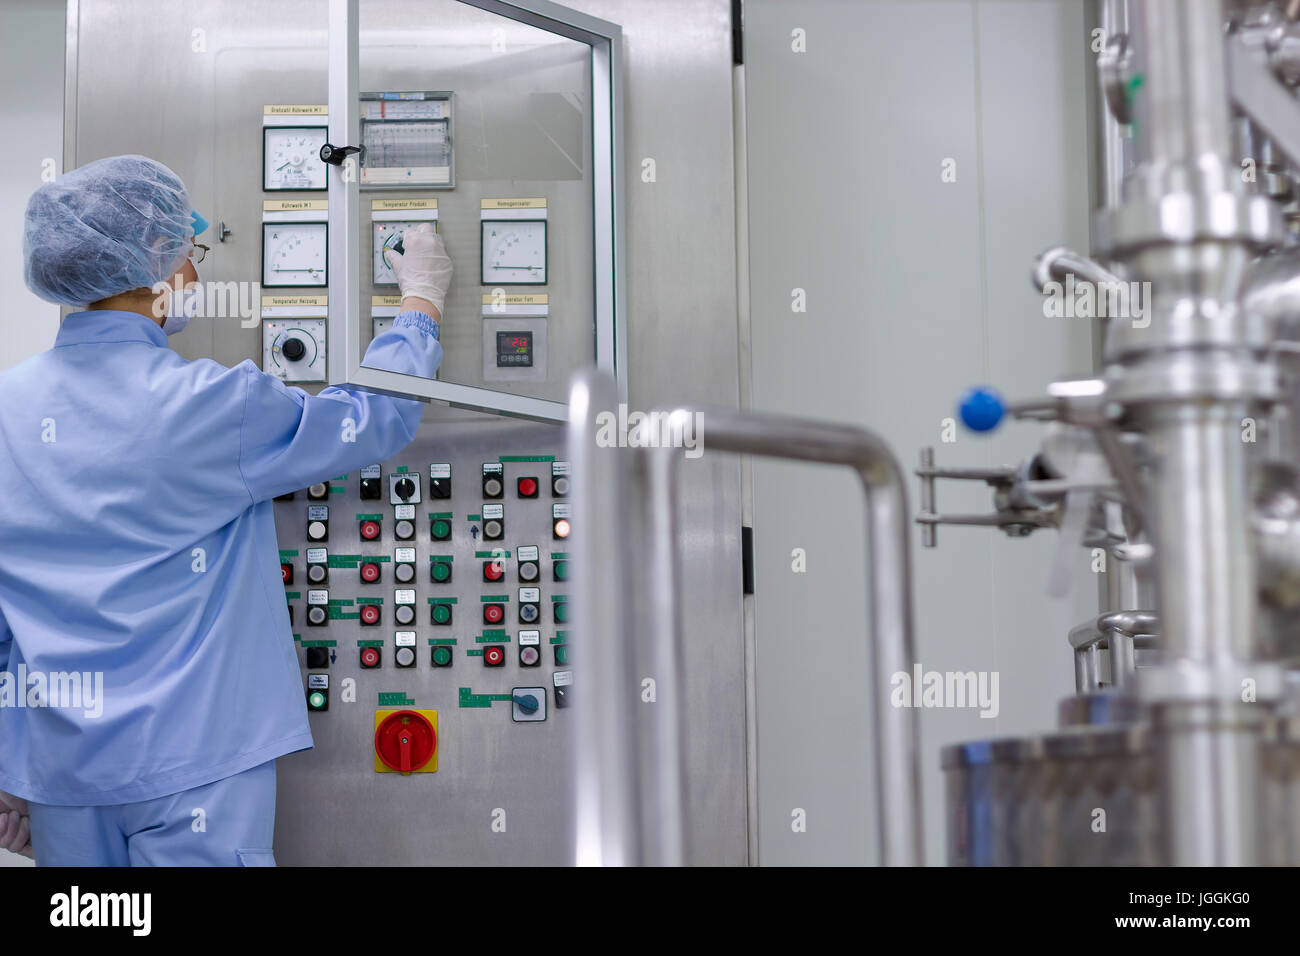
(204, 121)
(898, 779)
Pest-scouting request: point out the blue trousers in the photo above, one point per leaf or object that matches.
(227, 823)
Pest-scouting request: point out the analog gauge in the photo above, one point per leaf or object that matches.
(293, 350)
(291, 158)
(514, 252)
(295, 253)
(387, 235)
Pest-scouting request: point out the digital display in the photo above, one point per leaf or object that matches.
(514, 350)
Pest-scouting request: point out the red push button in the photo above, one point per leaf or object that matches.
(286, 573)
(493, 570)
(369, 657)
(493, 613)
(370, 572)
(370, 614)
(527, 487)
(369, 530)
(493, 656)
(405, 741)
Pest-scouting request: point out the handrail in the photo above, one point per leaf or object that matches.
(626, 831)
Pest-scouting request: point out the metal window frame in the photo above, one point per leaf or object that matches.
(344, 327)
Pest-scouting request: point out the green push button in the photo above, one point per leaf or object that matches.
(561, 569)
(561, 612)
(442, 614)
(441, 656)
(561, 654)
(316, 700)
(440, 529)
(441, 572)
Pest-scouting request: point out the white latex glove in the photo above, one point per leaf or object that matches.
(15, 827)
(423, 269)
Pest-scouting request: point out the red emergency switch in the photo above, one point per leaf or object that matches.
(405, 741)
(369, 657)
(369, 572)
(493, 613)
(370, 614)
(369, 530)
(493, 570)
(493, 656)
(527, 487)
(286, 573)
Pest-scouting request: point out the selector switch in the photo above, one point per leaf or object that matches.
(440, 480)
(404, 488)
(371, 483)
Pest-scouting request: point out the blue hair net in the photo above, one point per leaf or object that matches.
(113, 225)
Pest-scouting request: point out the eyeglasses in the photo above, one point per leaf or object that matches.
(202, 251)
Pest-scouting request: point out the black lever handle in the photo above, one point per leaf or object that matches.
(334, 155)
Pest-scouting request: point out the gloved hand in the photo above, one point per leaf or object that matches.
(423, 269)
(15, 827)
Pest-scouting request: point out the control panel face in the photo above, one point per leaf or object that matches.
(429, 602)
(294, 349)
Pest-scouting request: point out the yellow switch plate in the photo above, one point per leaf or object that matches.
(432, 717)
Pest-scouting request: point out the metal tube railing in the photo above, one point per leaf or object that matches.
(898, 778)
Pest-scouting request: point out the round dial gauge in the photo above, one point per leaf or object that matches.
(295, 254)
(514, 252)
(292, 158)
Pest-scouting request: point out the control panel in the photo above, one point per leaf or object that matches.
(428, 597)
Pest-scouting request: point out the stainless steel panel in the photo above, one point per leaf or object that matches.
(136, 85)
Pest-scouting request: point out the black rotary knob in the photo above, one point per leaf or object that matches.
(405, 488)
(293, 349)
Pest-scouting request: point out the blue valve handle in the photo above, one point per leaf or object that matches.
(981, 409)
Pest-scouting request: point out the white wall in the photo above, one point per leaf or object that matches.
(916, 289)
(31, 111)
